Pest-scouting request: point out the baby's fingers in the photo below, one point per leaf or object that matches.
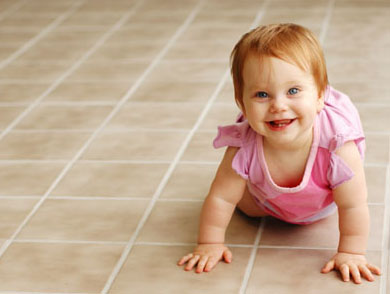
(192, 262)
(328, 267)
(366, 273)
(184, 259)
(202, 263)
(374, 269)
(344, 270)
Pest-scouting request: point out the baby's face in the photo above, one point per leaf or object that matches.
(280, 101)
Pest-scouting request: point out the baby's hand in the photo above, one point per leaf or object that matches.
(206, 256)
(351, 264)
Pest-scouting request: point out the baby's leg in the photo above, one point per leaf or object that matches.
(248, 206)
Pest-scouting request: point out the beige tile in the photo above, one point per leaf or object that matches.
(165, 276)
(53, 52)
(377, 149)
(87, 220)
(141, 33)
(240, 16)
(226, 95)
(157, 17)
(111, 180)
(108, 71)
(21, 92)
(51, 145)
(287, 271)
(166, 91)
(33, 71)
(206, 33)
(177, 221)
(65, 117)
(230, 6)
(44, 7)
(376, 183)
(156, 116)
(201, 148)
(125, 51)
(76, 35)
(190, 181)
(135, 146)
(67, 268)
(27, 178)
(357, 70)
(168, 5)
(372, 92)
(320, 234)
(12, 213)
(97, 6)
(375, 118)
(295, 4)
(208, 50)
(22, 20)
(80, 18)
(89, 91)
(220, 115)
(208, 71)
(6, 50)
(8, 114)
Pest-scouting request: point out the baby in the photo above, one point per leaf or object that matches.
(295, 152)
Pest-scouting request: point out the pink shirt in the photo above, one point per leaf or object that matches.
(312, 199)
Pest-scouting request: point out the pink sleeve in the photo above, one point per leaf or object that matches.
(236, 136)
(339, 172)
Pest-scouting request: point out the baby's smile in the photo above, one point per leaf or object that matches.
(280, 125)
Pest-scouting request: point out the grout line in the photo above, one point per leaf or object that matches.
(76, 65)
(48, 241)
(163, 182)
(126, 16)
(12, 9)
(43, 33)
(326, 21)
(252, 258)
(385, 237)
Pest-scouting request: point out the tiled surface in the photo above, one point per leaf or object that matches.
(107, 113)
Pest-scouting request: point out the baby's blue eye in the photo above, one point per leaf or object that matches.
(261, 95)
(293, 91)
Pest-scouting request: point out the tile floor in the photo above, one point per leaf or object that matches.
(107, 112)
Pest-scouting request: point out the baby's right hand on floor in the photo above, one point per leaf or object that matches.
(205, 257)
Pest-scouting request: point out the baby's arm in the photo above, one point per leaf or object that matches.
(226, 191)
(354, 221)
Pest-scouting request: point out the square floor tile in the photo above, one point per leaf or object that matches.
(66, 268)
(65, 117)
(376, 183)
(156, 116)
(201, 148)
(372, 92)
(220, 115)
(190, 51)
(177, 221)
(190, 181)
(166, 277)
(27, 179)
(89, 91)
(141, 33)
(8, 114)
(51, 145)
(298, 271)
(168, 91)
(111, 180)
(12, 213)
(108, 71)
(135, 146)
(177, 71)
(33, 71)
(21, 92)
(86, 220)
(375, 118)
(322, 234)
(377, 149)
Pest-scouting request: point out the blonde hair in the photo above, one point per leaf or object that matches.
(289, 42)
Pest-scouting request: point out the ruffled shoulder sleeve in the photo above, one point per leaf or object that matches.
(237, 135)
(340, 123)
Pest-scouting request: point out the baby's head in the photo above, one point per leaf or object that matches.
(289, 42)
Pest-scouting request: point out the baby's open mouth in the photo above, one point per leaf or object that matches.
(281, 123)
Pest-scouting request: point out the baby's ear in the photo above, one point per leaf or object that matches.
(321, 102)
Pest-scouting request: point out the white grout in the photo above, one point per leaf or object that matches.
(42, 34)
(326, 21)
(385, 260)
(252, 258)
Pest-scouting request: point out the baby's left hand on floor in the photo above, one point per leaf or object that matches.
(354, 265)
